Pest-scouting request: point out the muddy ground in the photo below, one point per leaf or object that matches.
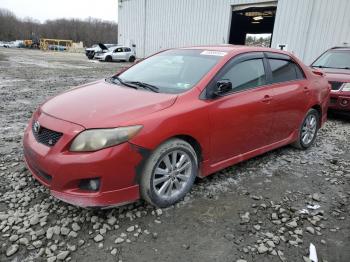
(255, 211)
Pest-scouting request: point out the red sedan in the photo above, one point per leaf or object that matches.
(149, 131)
(335, 63)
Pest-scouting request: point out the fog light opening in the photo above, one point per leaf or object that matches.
(345, 102)
(92, 184)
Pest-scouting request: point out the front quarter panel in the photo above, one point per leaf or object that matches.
(321, 90)
(187, 117)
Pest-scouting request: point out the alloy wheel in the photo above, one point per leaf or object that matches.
(172, 174)
(309, 129)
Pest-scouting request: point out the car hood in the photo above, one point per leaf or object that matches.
(338, 75)
(102, 105)
(102, 46)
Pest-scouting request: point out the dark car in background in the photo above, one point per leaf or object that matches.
(335, 63)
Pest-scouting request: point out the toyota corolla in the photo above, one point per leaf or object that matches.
(149, 131)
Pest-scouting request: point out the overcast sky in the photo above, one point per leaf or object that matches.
(50, 9)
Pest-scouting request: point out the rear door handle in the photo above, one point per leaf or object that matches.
(267, 99)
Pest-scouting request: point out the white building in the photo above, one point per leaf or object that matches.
(304, 27)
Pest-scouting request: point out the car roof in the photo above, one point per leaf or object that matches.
(237, 49)
(340, 48)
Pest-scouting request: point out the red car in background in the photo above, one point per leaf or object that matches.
(149, 131)
(335, 63)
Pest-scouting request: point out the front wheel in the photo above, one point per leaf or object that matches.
(108, 59)
(90, 55)
(308, 130)
(169, 173)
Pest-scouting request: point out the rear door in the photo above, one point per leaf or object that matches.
(127, 52)
(241, 120)
(291, 95)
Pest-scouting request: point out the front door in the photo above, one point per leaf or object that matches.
(241, 120)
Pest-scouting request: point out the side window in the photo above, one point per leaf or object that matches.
(283, 70)
(127, 49)
(247, 74)
(118, 50)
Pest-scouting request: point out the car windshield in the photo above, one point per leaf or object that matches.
(173, 71)
(334, 59)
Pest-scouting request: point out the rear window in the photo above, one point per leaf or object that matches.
(283, 71)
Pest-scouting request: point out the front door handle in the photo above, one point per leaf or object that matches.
(267, 99)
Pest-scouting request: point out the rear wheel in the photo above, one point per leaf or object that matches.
(132, 59)
(108, 59)
(308, 130)
(169, 173)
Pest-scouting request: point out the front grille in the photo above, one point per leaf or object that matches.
(335, 85)
(334, 100)
(46, 136)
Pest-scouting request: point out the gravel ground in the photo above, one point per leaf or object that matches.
(269, 208)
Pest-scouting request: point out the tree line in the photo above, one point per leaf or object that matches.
(89, 31)
(258, 41)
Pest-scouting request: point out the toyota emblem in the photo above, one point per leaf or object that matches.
(36, 127)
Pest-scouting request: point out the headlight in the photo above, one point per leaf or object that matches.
(95, 139)
(345, 87)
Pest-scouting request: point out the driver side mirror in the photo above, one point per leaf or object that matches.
(222, 87)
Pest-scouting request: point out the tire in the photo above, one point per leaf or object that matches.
(132, 59)
(309, 129)
(108, 59)
(91, 55)
(171, 186)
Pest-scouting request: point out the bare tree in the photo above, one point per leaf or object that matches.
(89, 31)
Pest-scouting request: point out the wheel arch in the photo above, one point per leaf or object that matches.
(196, 145)
(318, 108)
(145, 152)
(193, 142)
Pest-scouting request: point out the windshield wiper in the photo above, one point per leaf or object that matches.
(144, 85)
(321, 66)
(112, 80)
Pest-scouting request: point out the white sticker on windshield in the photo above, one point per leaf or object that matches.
(216, 53)
(183, 85)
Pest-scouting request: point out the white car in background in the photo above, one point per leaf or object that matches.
(7, 44)
(118, 53)
(98, 48)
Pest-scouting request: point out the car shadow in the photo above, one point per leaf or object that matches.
(342, 116)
